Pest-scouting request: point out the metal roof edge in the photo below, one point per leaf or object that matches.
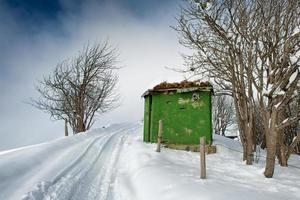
(179, 90)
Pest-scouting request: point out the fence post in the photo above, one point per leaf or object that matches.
(66, 128)
(160, 129)
(202, 158)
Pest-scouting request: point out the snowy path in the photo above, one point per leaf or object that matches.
(89, 169)
(90, 176)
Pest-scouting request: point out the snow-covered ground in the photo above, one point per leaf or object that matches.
(113, 163)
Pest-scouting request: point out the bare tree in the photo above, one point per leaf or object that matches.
(223, 114)
(80, 88)
(218, 55)
(251, 50)
(275, 70)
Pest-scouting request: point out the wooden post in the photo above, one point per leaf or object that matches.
(66, 128)
(202, 158)
(160, 129)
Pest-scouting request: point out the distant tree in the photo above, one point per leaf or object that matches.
(80, 88)
(223, 113)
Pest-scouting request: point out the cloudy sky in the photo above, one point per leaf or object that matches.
(37, 34)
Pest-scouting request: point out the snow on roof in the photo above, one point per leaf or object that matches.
(185, 84)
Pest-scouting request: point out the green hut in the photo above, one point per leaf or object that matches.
(184, 108)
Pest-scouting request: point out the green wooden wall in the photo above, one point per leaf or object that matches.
(147, 116)
(186, 116)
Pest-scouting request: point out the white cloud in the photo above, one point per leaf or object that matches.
(146, 47)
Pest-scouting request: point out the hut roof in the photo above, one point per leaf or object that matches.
(183, 86)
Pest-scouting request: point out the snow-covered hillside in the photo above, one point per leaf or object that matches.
(113, 163)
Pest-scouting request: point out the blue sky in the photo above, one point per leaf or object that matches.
(35, 35)
(35, 13)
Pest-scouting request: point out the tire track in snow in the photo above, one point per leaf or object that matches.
(97, 183)
(100, 181)
(90, 176)
(64, 175)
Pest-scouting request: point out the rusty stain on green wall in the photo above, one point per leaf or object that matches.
(186, 116)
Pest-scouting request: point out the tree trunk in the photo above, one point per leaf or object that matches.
(270, 162)
(241, 126)
(245, 127)
(271, 137)
(282, 156)
(282, 149)
(249, 147)
(80, 127)
(247, 142)
(223, 132)
(243, 139)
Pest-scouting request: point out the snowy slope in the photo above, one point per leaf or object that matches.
(173, 175)
(115, 164)
(60, 169)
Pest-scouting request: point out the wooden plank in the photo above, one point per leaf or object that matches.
(160, 130)
(202, 158)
